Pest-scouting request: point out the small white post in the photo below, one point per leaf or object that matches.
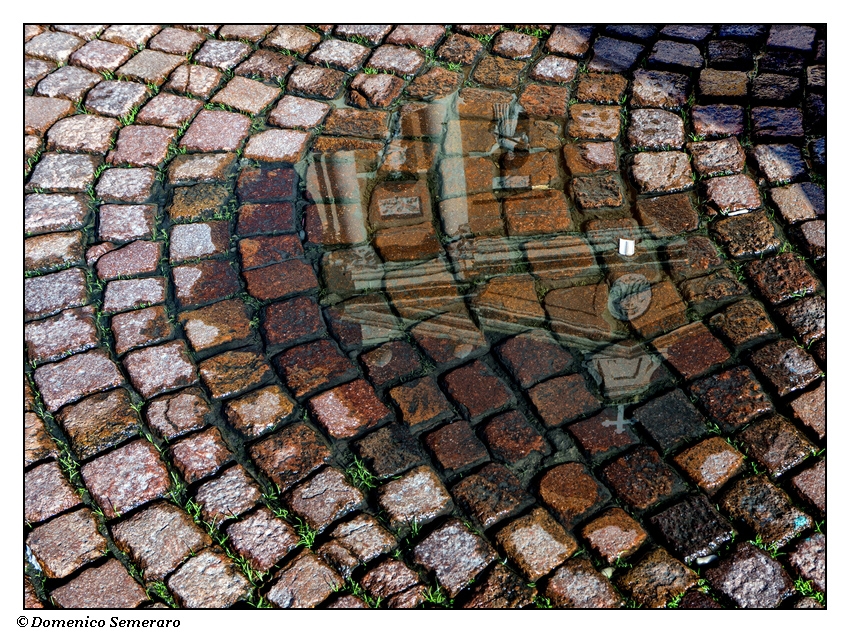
(627, 247)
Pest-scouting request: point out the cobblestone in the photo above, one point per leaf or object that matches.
(425, 335)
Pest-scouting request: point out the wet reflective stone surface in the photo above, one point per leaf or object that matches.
(425, 316)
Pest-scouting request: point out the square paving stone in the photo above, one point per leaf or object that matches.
(259, 411)
(324, 498)
(126, 478)
(44, 213)
(692, 350)
(421, 403)
(179, 413)
(751, 579)
(744, 323)
(656, 579)
(99, 422)
(786, 366)
(563, 399)
(150, 66)
(614, 535)
(127, 185)
(764, 509)
(293, 321)
(142, 145)
(116, 98)
(513, 45)
(63, 173)
(225, 322)
(594, 122)
(732, 397)
(293, 38)
(281, 280)
(693, 528)
(589, 157)
(616, 56)
(288, 456)
(570, 40)
(389, 578)
(675, 55)
(314, 366)
(655, 129)
(68, 82)
(793, 37)
(47, 493)
(194, 80)
(768, 87)
(812, 238)
(449, 338)
(390, 362)
(159, 538)
(203, 283)
(155, 370)
(303, 583)
(389, 451)
(203, 239)
(456, 448)
(501, 589)
(728, 85)
(599, 438)
(63, 545)
(491, 495)
(779, 163)
(809, 560)
(777, 445)
(810, 409)
(339, 54)
(83, 133)
(265, 218)
(601, 88)
(511, 438)
(418, 497)
(262, 538)
(222, 55)
(69, 331)
(349, 410)
(294, 112)
(782, 278)
(277, 146)
(200, 455)
(34, 71)
(810, 485)
(712, 158)
(715, 121)
(594, 192)
(100, 55)
(659, 172)
(38, 445)
(534, 356)
(209, 580)
(733, 195)
(132, 35)
(671, 420)
(454, 554)
(804, 201)
(136, 258)
(176, 41)
(314, 82)
(108, 586)
(266, 184)
(40, 113)
(49, 294)
(667, 215)
(76, 377)
(692, 256)
(54, 46)
(267, 65)
(536, 543)
(659, 89)
(477, 390)
(235, 372)
(215, 131)
(460, 49)
(641, 479)
(711, 463)
(364, 537)
(771, 123)
(572, 493)
(577, 585)
(228, 496)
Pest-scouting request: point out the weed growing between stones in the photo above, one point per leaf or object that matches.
(436, 596)
(360, 476)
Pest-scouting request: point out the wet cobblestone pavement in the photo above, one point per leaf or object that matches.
(349, 316)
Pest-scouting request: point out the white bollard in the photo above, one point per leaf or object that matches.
(627, 247)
